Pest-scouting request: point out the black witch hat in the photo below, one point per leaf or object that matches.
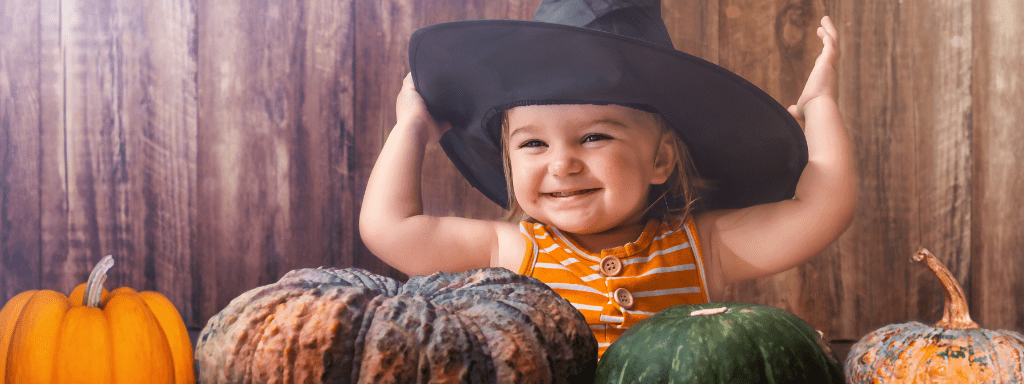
(603, 52)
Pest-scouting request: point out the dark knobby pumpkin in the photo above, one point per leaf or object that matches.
(95, 337)
(351, 326)
(720, 343)
(955, 350)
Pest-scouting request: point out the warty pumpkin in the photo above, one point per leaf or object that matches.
(119, 337)
(954, 350)
(352, 326)
(720, 343)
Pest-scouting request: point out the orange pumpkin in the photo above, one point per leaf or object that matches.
(93, 336)
(955, 350)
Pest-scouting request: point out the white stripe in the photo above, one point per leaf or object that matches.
(569, 260)
(587, 278)
(544, 236)
(599, 345)
(549, 249)
(655, 254)
(673, 291)
(700, 263)
(640, 313)
(573, 247)
(611, 319)
(574, 287)
(551, 266)
(587, 307)
(674, 268)
(666, 234)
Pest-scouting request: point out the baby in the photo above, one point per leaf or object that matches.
(636, 177)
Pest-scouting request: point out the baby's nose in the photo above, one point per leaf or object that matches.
(565, 165)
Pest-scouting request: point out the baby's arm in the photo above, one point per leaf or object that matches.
(391, 222)
(767, 239)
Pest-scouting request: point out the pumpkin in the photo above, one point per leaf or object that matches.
(720, 343)
(954, 350)
(130, 338)
(352, 326)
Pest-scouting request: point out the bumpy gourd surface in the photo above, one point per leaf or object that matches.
(917, 353)
(351, 326)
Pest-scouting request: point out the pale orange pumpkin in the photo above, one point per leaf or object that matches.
(93, 336)
(954, 350)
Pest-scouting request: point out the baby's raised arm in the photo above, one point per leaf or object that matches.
(766, 239)
(391, 221)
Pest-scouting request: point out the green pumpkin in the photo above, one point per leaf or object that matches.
(720, 343)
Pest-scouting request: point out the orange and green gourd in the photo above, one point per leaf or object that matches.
(954, 350)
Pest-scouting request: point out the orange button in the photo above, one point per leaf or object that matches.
(611, 266)
(623, 298)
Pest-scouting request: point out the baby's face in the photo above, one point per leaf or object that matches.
(584, 168)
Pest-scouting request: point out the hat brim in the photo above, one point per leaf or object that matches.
(468, 72)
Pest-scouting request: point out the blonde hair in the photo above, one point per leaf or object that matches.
(677, 197)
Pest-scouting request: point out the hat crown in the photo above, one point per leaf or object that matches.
(639, 19)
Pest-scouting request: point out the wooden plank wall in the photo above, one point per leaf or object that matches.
(212, 146)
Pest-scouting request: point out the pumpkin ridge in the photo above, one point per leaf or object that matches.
(395, 340)
(368, 314)
(767, 363)
(382, 284)
(811, 336)
(348, 315)
(992, 358)
(282, 338)
(442, 363)
(555, 351)
(246, 342)
(480, 341)
(510, 342)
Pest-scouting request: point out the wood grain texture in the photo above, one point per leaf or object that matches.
(20, 234)
(275, 141)
(997, 245)
(383, 30)
(129, 134)
(906, 97)
(773, 45)
(693, 26)
(53, 190)
(328, 111)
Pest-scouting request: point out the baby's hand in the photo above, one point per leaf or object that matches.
(821, 82)
(412, 110)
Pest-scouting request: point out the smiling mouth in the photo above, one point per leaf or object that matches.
(572, 193)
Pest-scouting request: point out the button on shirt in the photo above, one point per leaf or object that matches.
(619, 286)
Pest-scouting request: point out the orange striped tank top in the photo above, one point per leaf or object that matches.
(620, 286)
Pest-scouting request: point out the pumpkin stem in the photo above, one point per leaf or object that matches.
(94, 286)
(955, 315)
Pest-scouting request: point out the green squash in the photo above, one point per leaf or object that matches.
(720, 343)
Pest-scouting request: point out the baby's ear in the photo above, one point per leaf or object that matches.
(666, 159)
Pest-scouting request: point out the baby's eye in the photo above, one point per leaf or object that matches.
(532, 144)
(595, 137)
